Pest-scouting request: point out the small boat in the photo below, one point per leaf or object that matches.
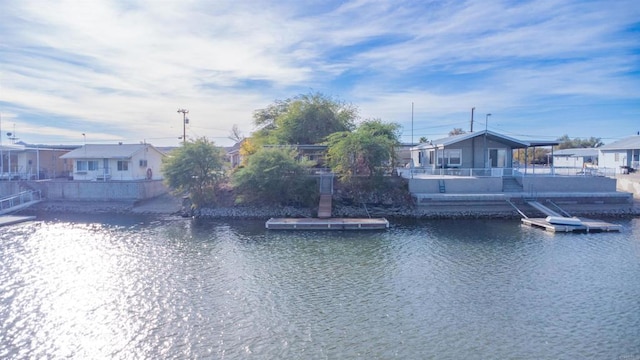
(559, 220)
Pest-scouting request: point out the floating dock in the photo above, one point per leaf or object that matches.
(12, 219)
(587, 225)
(326, 224)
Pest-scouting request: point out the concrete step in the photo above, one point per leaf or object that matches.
(324, 209)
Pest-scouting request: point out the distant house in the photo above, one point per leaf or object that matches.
(233, 153)
(105, 162)
(622, 155)
(33, 162)
(575, 158)
(478, 153)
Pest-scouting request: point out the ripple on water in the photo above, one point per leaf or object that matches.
(184, 289)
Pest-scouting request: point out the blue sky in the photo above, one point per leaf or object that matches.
(119, 70)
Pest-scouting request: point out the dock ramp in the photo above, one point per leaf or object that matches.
(543, 209)
(19, 201)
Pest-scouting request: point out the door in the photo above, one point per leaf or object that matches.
(498, 158)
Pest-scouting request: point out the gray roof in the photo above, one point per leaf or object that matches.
(105, 151)
(514, 143)
(576, 152)
(631, 142)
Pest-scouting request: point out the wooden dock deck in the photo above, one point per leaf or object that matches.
(326, 224)
(588, 225)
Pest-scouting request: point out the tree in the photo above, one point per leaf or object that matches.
(567, 143)
(423, 140)
(197, 167)
(304, 119)
(457, 131)
(273, 175)
(236, 134)
(370, 150)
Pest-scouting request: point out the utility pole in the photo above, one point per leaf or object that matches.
(184, 124)
(472, 110)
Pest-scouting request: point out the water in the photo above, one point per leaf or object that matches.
(136, 287)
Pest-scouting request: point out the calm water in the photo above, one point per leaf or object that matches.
(145, 288)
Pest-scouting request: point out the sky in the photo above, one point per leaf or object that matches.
(80, 71)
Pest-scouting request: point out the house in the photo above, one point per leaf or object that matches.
(575, 158)
(233, 153)
(105, 162)
(482, 153)
(33, 162)
(622, 155)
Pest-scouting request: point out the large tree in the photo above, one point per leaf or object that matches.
(304, 119)
(369, 150)
(197, 167)
(273, 175)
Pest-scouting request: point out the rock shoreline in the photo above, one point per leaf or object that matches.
(345, 211)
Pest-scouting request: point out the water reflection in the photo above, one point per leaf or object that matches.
(122, 287)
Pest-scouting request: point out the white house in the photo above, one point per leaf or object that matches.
(621, 155)
(575, 158)
(105, 162)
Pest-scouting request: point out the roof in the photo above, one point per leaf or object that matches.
(576, 152)
(106, 151)
(514, 143)
(631, 142)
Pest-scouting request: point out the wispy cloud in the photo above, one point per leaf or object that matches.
(120, 69)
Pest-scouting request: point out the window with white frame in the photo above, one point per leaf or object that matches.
(84, 165)
(123, 165)
(452, 157)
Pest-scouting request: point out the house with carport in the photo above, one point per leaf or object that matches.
(576, 160)
(486, 169)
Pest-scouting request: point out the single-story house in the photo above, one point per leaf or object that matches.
(105, 162)
(575, 158)
(621, 155)
(33, 162)
(482, 153)
(233, 153)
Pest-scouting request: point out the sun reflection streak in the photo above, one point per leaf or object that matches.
(86, 283)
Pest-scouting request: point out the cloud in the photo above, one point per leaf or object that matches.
(120, 69)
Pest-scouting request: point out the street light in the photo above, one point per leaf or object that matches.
(486, 151)
(184, 124)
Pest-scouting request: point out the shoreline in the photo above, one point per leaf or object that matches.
(169, 205)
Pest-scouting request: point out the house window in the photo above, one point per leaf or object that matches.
(123, 165)
(81, 165)
(143, 162)
(452, 157)
(84, 165)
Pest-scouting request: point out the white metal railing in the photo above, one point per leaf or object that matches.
(502, 172)
(16, 200)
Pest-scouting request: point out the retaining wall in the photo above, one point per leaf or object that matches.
(483, 185)
(568, 184)
(629, 184)
(9, 188)
(100, 191)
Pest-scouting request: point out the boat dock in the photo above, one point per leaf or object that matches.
(326, 224)
(563, 222)
(586, 225)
